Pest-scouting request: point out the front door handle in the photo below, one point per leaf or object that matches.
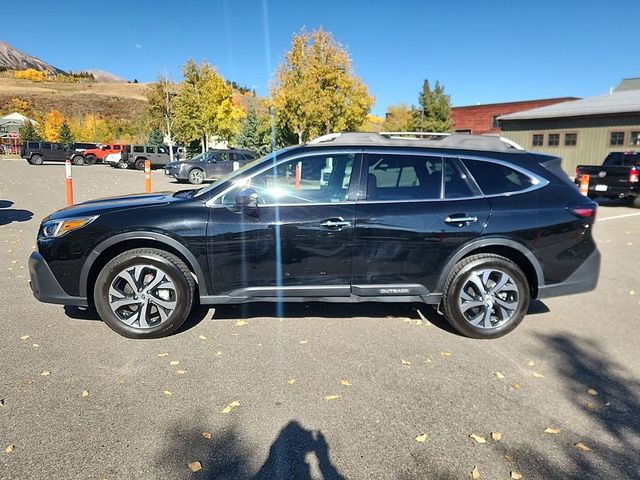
(336, 223)
(461, 219)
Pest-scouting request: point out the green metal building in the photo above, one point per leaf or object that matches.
(582, 132)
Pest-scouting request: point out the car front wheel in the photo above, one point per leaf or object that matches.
(486, 296)
(144, 293)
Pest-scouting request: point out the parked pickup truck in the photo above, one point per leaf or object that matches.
(617, 177)
(95, 155)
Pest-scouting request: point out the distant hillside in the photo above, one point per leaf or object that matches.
(13, 59)
(106, 77)
(122, 100)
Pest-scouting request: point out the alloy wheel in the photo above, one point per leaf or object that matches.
(142, 296)
(488, 298)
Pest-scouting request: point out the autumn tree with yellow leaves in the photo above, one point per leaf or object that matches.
(51, 126)
(204, 106)
(316, 90)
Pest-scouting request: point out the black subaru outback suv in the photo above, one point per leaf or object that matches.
(468, 223)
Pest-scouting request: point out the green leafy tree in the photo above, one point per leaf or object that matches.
(156, 137)
(205, 107)
(29, 133)
(316, 90)
(399, 118)
(162, 107)
(434, 114)
(65, 136)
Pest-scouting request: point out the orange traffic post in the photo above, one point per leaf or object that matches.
(68, 174)
(147, 176)
(298, 175)
(584, 185)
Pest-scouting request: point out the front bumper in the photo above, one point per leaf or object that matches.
(584, 279)
(46, 288)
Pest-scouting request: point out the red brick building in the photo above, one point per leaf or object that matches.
(479, 119)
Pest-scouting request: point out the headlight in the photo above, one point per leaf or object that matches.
(57, 228)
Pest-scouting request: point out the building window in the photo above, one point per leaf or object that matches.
(554, 140)
(570, 139)
(634, 139)
(616, 139)
(538, 140)
(494, 121)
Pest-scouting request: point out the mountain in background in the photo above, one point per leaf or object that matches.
(106, 77)
(14, 59)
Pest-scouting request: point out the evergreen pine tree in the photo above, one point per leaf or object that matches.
(156, 137)
(28, 132)
(434, 114)
(249, 136)
(65, 136)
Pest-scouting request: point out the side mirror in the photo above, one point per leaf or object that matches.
(247, 202)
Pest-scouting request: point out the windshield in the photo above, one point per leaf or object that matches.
(241, 171)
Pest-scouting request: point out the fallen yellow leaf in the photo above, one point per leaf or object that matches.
(303, 342)
(516, 475)
(477, 438)
(538, 375)
(195, 466)
(428, 360)
(163, 354)
(231, 407)
(207, 435)
(553, 431)
(516, 386)
(46, 373)
(508, 458)
(291, 381)
(202, 337)
(419, 322)
(331, 397)
(218, 353)
(582, 447)
(589, 406)
(173, 363)
(446, 354)
(35, 345)
(421, 438)
(592, 392)
(405, 362)
(345, 383)
(531, 363)
(180, 372)
(85, 393)
(168, 392)
(240, 323)
(499, 375)
(496, 436)
(9, 448)
(475, 473)
(24, 337)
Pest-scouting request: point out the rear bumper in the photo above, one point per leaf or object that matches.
(45, 286)
(584, 279)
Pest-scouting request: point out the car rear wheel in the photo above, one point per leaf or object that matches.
(486, 296)
(636, 202)
(122, 164)
(77, 160)
(144, 293)
(139, 164)
(196, 176)
(36, 160)
(91, 159)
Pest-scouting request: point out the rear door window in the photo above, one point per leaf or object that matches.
(33, 145)
(46, 146)
(495, 178)
(456, 181)
(403, 177)
(151, 149)
(138, 149)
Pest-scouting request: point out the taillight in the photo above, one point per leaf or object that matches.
(584, 210)
(577, 172)
(633, 175)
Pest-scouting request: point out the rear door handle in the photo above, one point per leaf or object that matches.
(461, 219)
(337, 223)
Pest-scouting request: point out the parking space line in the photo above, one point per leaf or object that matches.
(618, 216)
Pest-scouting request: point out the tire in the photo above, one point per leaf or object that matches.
(36, 160)
(78, 160)
(146, 264)
(196, 176)
(91, 159)
(139, 164)
(462, 288)
(636, 202)
(122, 165)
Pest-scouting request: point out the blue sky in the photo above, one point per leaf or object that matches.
(482, 51)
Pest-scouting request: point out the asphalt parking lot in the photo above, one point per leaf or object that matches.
(323, 392)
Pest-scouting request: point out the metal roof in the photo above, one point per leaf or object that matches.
(626, 101)
(434, 140)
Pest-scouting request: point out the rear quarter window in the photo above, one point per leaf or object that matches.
(138, 149)
(33, 145)
(495, 178)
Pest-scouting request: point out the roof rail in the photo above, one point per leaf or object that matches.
(423, 139)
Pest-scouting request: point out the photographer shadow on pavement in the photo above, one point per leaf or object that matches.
(10, 215)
